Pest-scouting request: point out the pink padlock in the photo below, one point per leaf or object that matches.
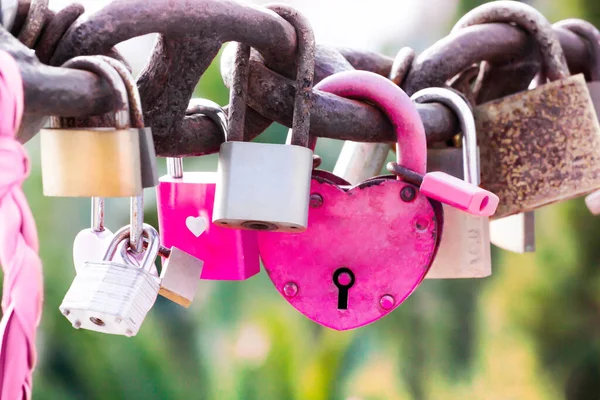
(185, 207)
(367, 248)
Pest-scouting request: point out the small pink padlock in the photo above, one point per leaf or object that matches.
(185, 208)
(367, 248)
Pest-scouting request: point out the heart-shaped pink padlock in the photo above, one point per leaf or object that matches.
(366, 249)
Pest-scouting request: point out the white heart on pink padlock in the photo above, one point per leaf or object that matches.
(196, 225)
(90, 245)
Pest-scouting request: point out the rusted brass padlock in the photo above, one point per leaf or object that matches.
(93, 162)
(590, 34)
(540, 146)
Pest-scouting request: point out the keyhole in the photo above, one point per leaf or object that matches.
(343, 278)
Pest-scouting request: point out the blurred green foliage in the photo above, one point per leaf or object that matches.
(531, 331)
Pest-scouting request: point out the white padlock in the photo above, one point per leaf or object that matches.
(264, 186)
(114, 296)
(464, 250)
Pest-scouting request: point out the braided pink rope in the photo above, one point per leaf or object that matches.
(23, 284)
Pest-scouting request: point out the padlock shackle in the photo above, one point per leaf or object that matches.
(529, 19)
(411, 150)
(591, 35)
(209, 109)
(97, 214)
(463, 111)
(134, 101)
(359, 161)
(136, 120)
(101, 68)
(151, 250)
(305, 61)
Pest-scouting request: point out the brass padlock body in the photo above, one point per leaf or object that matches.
(180, 276)
(100, 162)
(147, 158)
(540, 146)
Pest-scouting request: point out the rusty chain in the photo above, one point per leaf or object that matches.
(190, 37)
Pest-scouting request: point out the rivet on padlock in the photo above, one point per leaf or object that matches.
(185, 203)
(179, 276)
(465, 247)
(265, 186)
(449, 190)
(114, 297)
(513, 164)
(92, 162)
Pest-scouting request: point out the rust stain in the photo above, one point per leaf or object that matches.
(540, 146)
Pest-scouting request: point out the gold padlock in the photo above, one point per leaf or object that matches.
(93, 162)
(540, 146)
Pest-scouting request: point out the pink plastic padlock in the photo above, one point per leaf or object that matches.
(185, 207)
(366, 249)
(450, 190)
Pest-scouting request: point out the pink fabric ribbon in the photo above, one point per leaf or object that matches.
(23, 284)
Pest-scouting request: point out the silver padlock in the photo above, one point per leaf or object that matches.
(179, 276)
(464, 250)
(263, 186)
(114, 297)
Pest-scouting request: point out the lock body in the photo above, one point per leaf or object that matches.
(147, 158)
(593, 200)
(110, 297)
(364, 252)
(263, 186)
(185, 213)
(514, 233)
(594, 89)
(540, 146)
(101, 162)
(464, 250)
(179, 277)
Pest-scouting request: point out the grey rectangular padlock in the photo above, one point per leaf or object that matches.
(464, 250)
(179, 276)
(114, 297)
(263, 186)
